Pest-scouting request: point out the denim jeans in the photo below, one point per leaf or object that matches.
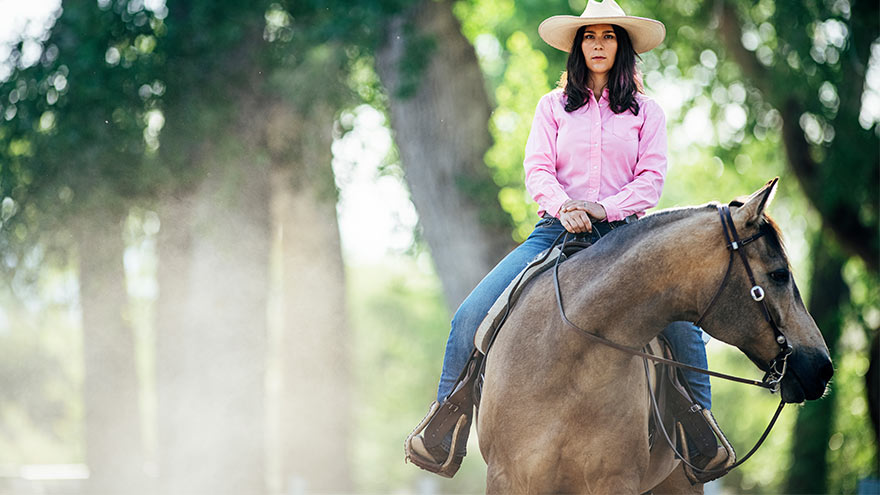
(687, 344)
(684, 338)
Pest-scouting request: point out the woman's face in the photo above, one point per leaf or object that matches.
(600, 48)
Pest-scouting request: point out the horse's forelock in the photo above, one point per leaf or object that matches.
(770, 229)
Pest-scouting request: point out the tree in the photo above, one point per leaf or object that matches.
(812, 430)
(818, 92)
(823, 86)
(73, 133)
(254, 177)
(440, 112)
(213, 407)
(314, 341)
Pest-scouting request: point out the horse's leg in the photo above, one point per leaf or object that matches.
(677, 483)
(498, 481)
(622, 483)
(529, 473)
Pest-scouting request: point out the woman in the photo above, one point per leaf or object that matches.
(596, 154)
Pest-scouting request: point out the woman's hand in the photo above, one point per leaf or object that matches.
(594, 210)
(576, 221)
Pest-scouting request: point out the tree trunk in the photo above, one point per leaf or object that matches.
(214, 294)
(114, 448)
(173, 339)
(440, 114)
(212, 352)
(813, 427)
(313, 352)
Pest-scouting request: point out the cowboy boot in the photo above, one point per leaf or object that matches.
(437, 458)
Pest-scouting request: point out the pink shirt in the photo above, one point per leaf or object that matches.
(593, 154)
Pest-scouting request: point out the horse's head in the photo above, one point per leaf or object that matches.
(740, 318)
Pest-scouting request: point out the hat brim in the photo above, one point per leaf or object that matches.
(558, 31)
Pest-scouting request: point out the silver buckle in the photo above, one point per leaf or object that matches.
(773, 382)
(757, 293)
(775, 375)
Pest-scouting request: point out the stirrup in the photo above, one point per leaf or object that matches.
(422, 456)
(708, 467)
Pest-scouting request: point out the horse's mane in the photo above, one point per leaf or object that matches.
(623, 238)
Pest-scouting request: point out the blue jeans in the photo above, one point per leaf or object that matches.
(685, 339)
(687, 344)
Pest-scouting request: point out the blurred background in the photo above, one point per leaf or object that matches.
(232, 233)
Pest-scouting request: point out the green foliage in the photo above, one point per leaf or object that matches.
(850, 455)
(73, 130)
(520, 89)
(743, 413)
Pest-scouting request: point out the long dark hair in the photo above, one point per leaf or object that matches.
(623, 82)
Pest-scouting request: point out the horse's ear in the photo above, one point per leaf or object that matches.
(750, 212)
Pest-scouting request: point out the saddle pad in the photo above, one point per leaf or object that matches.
(495, 316)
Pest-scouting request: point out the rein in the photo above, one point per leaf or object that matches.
(776, 368)
(771, 379)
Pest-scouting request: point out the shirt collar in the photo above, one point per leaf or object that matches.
(603, 99)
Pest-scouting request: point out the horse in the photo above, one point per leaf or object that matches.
(561, 413)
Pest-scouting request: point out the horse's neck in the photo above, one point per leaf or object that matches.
(665, 274)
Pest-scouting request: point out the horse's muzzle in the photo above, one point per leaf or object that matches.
(809, 371)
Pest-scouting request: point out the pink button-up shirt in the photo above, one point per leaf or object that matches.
(593, 154)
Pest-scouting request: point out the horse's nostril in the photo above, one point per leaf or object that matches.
(826, 371)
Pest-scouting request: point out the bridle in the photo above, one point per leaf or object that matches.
(776, 368)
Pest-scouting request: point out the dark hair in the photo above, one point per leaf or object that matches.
(623, 82)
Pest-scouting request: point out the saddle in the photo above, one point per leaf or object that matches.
(446, 427)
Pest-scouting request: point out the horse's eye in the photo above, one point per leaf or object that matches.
(780, 276)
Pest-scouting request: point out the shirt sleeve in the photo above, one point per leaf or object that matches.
(644, 190)
(540, 158)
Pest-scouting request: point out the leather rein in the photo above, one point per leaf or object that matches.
(776, 368)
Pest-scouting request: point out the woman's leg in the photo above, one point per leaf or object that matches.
(687, 344)
(474, 308)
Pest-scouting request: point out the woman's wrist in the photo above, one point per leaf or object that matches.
(595, 210)
(600, 213)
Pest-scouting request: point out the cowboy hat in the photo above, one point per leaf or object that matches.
(558, 31)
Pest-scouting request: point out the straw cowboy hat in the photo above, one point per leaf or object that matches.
(558, 31)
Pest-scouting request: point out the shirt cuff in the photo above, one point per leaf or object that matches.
(554, 205)
(612, 212)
